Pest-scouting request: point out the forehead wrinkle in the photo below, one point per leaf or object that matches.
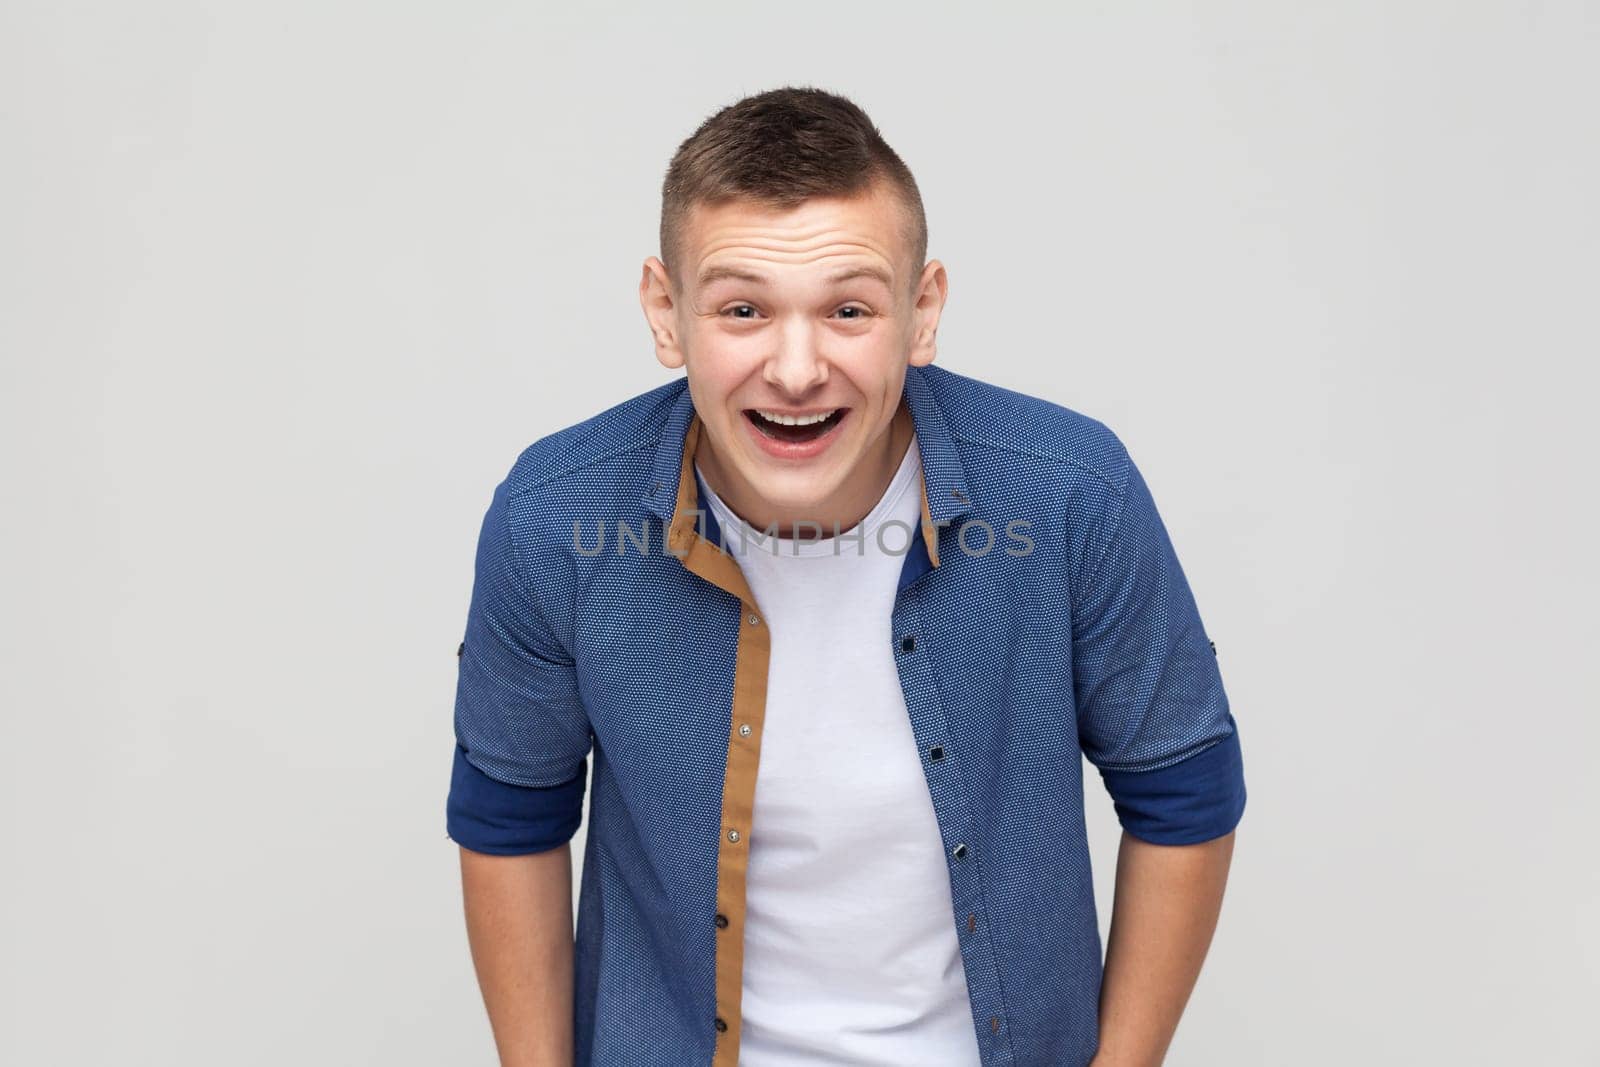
(762, 240)
(712, 273)
(733, 254)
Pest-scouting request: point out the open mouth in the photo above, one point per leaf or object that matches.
(805, 428)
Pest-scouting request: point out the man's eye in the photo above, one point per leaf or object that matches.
(745, 311)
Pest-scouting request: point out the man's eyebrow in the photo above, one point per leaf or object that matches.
(866, 270)
(712, 275)
(717, 274)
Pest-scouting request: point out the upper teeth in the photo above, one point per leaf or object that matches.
(793, 420)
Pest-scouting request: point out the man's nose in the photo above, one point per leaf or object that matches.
(796, 367)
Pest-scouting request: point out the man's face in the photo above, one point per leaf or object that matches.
(811, 311)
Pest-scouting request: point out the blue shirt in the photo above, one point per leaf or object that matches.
(1041, 613)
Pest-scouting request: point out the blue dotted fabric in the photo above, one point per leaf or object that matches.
(1057, 622)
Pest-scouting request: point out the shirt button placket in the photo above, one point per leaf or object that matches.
(946, 802)
(744, 729)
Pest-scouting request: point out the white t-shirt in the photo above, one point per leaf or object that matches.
(851, 951)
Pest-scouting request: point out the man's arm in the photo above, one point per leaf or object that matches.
(1154, 718)
(519, 926)
(1167, 901)
(517, 783)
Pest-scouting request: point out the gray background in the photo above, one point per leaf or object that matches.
(284, 289)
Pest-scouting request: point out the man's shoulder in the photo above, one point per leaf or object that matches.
(1024, 433)
(624, 434)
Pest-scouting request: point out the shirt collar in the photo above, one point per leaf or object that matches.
(673, 489)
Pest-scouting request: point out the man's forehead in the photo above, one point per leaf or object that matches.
(863, 236)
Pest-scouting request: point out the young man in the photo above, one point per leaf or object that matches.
(836, 625)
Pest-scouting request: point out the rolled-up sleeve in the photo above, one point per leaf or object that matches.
(522, 736)
(1153, 716)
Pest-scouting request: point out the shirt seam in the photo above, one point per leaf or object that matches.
(1089, 574)
(1064, 461)
(1090, 577)
(524, 575)
(528, 587)
(549, 479)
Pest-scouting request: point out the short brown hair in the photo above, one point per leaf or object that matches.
(781, 148)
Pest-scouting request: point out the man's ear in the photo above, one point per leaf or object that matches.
(660, 312)
(927, 303)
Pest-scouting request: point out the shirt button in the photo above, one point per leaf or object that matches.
(959, 851)
(994, 1024)
(733, 835)
(720, 1025)
(972, 923)
(908, 643)
(722, 921)
(744, 729)
(755, 620)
